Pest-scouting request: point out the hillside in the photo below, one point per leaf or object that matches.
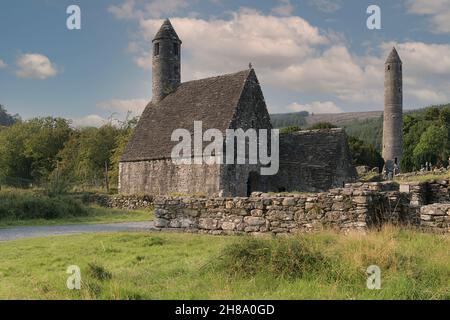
(366, 126)
(304, 119)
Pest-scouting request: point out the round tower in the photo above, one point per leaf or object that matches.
(393, 112)
(166, 61)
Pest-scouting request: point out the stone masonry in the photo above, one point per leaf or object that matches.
(358, 207)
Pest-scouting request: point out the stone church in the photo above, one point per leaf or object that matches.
(309, 160)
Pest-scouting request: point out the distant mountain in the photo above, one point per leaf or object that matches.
(366, 126)
(343, 118)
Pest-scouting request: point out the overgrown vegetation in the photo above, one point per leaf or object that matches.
(322, 126)
(426, 135)
(186, 266)
(50, 152)
(6, 119)
(370, 131)
(290, 129)
(35, 207)
(23, 204)
(283, 258)
(364, 154)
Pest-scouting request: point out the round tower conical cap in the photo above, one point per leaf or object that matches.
(393, 57)
(167, 32)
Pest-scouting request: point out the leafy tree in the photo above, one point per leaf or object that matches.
(432, 146)
(28, 150)
(6, 119)
(86, 153)
(125, 134)
(426, 137)
(13, 159)
(364, 154)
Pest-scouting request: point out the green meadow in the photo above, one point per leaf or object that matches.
(189, 266)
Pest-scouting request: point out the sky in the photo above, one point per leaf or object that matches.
(313, 55)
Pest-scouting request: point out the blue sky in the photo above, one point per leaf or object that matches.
(310, 55)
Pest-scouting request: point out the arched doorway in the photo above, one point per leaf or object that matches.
(252, 182)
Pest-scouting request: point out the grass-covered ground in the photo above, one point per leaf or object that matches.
(20, 207)
(186, 266)
(425, 177)
(96, 215)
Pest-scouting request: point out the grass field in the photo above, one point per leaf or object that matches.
(187, 266)
(96, 215)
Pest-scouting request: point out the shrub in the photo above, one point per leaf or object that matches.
(98, 272)
(278, 257)
(322, 126)
(290, 129)
(21, 204)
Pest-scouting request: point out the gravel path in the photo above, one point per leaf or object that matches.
(43, 231)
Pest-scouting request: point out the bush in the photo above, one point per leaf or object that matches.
(98, 272)
(322, 126)
(21, 205)
(288, 258)
(290, 129)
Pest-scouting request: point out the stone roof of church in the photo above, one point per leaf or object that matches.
(393, 57)
(166, 32)
(213, 101)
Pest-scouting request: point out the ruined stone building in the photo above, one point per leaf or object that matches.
(393, 111)
(309, 161)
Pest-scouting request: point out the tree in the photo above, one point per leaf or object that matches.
(87, 151)
(6, 119)
(364, 154)
(124, 136)
(432, 146)
(28, 150)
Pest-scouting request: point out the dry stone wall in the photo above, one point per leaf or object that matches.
(357, 206)
(341, 209)
(435, 217)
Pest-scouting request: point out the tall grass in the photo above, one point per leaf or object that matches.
(411, 264)
(16, 204)
(326, 265)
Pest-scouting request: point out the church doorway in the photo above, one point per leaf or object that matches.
(252, 183)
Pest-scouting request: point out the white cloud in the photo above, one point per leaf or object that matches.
(92, 120)
(136, 106)
(2, 64)
(327, 6)
(35, 66)
(131, 9)
(285, 8)
(124, 11)
(431, 96)
(422, 58)
(267, 41)
(316, 107)
(334, 72)
(289, 53)
(158, 8)
(437, 10)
